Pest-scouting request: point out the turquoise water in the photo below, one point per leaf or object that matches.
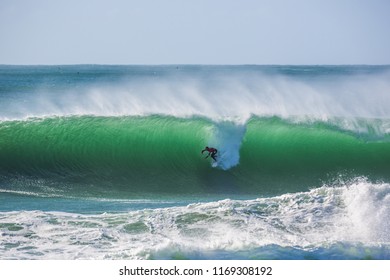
(104, 162)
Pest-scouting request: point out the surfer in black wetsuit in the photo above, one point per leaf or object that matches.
(212, 152)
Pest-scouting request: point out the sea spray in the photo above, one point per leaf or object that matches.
(214, 92)
(227, 136)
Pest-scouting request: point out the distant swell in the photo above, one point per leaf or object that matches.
(133, 156)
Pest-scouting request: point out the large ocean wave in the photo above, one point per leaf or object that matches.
(136, 156)
(105, 162)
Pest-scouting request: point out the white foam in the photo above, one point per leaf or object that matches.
(357, 212)
(227, 137)
(368, 211)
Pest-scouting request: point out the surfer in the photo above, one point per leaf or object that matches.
(212, 152)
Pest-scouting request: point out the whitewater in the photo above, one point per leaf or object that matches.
(104, 162)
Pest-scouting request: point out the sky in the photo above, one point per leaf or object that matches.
(195, 32)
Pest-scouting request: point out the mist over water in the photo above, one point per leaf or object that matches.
(218, 93)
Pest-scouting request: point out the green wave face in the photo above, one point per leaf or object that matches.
(309, 154)
(134, 156)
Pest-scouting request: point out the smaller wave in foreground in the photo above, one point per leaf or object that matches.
(344, 222)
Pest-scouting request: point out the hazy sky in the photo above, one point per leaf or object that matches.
(195, 32)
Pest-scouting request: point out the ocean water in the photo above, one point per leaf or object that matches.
(104, 162)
